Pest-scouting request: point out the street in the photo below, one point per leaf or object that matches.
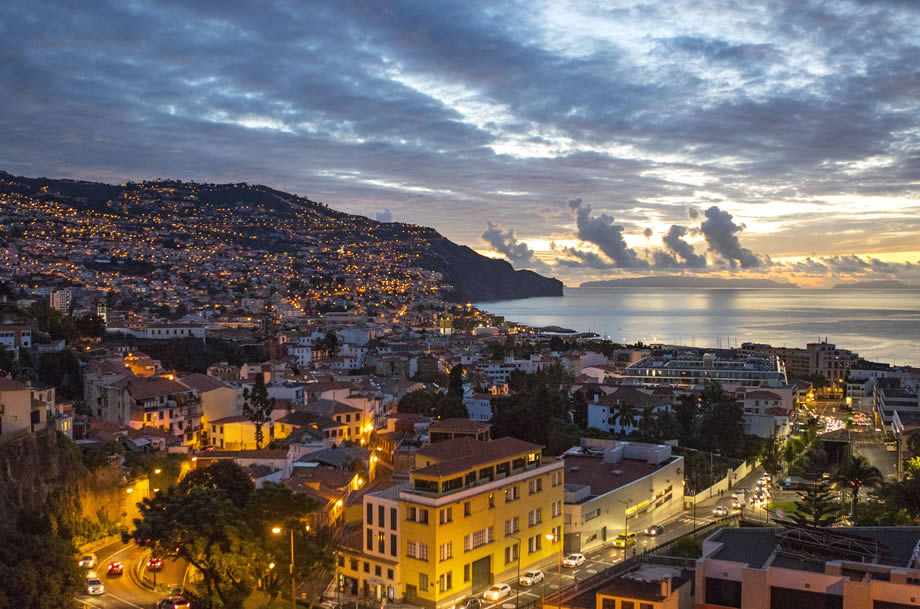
(123, 591)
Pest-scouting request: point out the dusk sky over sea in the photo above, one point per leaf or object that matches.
(584, 140)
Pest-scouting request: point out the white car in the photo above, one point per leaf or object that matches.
(573, 560)
(720, 510)
(88, 561)
(497, 592)
(94, 586)
(534, 576)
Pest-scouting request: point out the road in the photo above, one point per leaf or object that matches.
(124, 592)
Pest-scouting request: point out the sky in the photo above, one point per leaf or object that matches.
(584, 140)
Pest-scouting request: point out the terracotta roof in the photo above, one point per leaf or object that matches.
(11, 385)
(761, 395)
(300, 418)
(201, 382)
(142, 388)
(458, 425)
(233, 419)
(328, 408)
(460, 454)
(333, 478)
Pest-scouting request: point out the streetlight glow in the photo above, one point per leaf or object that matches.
(276, 530)
(157, 470)
(129, 491)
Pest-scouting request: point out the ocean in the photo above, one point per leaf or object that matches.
(882, 325)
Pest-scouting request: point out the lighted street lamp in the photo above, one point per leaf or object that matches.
(277, 531)
(554, 538)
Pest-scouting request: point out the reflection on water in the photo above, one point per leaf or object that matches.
(880, 324)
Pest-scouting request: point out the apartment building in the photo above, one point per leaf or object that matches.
(689, 369)
(800, 567)
(472, 513)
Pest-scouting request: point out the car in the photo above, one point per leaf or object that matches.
(115, 568)
(471, 603)
(534, 576)
(737, 505)
(720, 510)
(497, 592)
(155, 564)
(88, 561)
(655, 530)
(623, 541)
(174, 602)
(573, 560)
(94, 586)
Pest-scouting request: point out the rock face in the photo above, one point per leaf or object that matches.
(273, 221)
(479, 278)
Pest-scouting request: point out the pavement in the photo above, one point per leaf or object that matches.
(125, 591)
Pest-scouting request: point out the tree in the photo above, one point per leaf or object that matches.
(224, 476)
(772, 455)
(856, 472)
(455, 384)
(257, 407)
(646, 423)
(814, 508)
(913, 444)
(580, 409)
(37, 567)
(624, 416)
(686, 409)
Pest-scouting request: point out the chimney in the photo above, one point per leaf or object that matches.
(666, 587)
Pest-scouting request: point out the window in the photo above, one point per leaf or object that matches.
(370, 541)
(423, 581)
(646, 606)
(557, 509)
(627, 605)
(370, 515)
(592, 514)
(417, 515)
(608, 603)
(411, 549)
(389, 573)
(445, 581)
(557, 534)
(467, 508)
(536, 485)
(533, 544)
(477, 538)
(512, 526)
(466, 572)
(534, 517)
(342, 562)
(511, 493)
(367, 567)
(381, 516)
(446, 515)
(446, 551)
(381, 542)
(422, 516)
(377, 570)
(393, 518)
(511, 554)
(392, 545)
(354, 564)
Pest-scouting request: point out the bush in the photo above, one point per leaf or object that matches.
(687, 546)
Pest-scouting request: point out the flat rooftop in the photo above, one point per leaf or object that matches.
(590, 470)
(755, 546)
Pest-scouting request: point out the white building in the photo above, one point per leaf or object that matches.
(688, 369)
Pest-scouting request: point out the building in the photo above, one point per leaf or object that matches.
(691, 370)
(16, 411)
(448, 429)
(830, 362)
(613, 488)
(237, 433)
(471, 514)
(792, 567)
(646, 586)
(15, 336)
(153, 401)
(60, 300)
(603, 411)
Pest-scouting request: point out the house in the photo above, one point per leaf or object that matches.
(16, 410)
(237, 433)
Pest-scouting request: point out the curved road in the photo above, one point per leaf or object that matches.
(124, 591)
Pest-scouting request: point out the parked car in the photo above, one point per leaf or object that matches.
(471, 603)
(115, 569)
(497, 592)
(720, 510)
(573, 560)
(94, 586)
(623, 541)
(174, 602)
(534, 576)
(88, 561)
(655, 530)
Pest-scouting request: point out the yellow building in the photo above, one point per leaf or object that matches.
(238, 433)
(472, 513)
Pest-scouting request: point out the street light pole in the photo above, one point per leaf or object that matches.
(554, 537)
(276, 531)
(517, 599)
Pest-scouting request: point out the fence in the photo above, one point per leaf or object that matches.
(731, 478)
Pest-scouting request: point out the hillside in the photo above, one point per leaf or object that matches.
(159, 227)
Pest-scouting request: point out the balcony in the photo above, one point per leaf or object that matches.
(419, 486)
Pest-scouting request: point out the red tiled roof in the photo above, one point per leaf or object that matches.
(11, 385)
(201, 382)
(459, 454)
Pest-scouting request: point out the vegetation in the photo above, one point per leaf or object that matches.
(855, 473)
(433, 404)
(688, 546)
(193, 354)
(220, 524)
(815, 507)
(257, 407)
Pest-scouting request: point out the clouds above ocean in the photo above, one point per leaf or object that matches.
(726, 136)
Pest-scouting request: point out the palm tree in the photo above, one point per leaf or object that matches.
(624, 416)
(646, 423)
(855, 473)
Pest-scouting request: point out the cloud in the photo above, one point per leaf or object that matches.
(675, 244)
(518, 253)
(385, 216)
(720, 232)
(607, 236)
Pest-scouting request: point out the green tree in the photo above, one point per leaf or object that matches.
(913, 443)
(646, 423)
(687, 546)
(257, 407)
(772, 455)
(580, 409)
(815, 507)
(624, 415)
(856, 472)
(686, 410)
(37, 567)
(455, 384)
(224, 476)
